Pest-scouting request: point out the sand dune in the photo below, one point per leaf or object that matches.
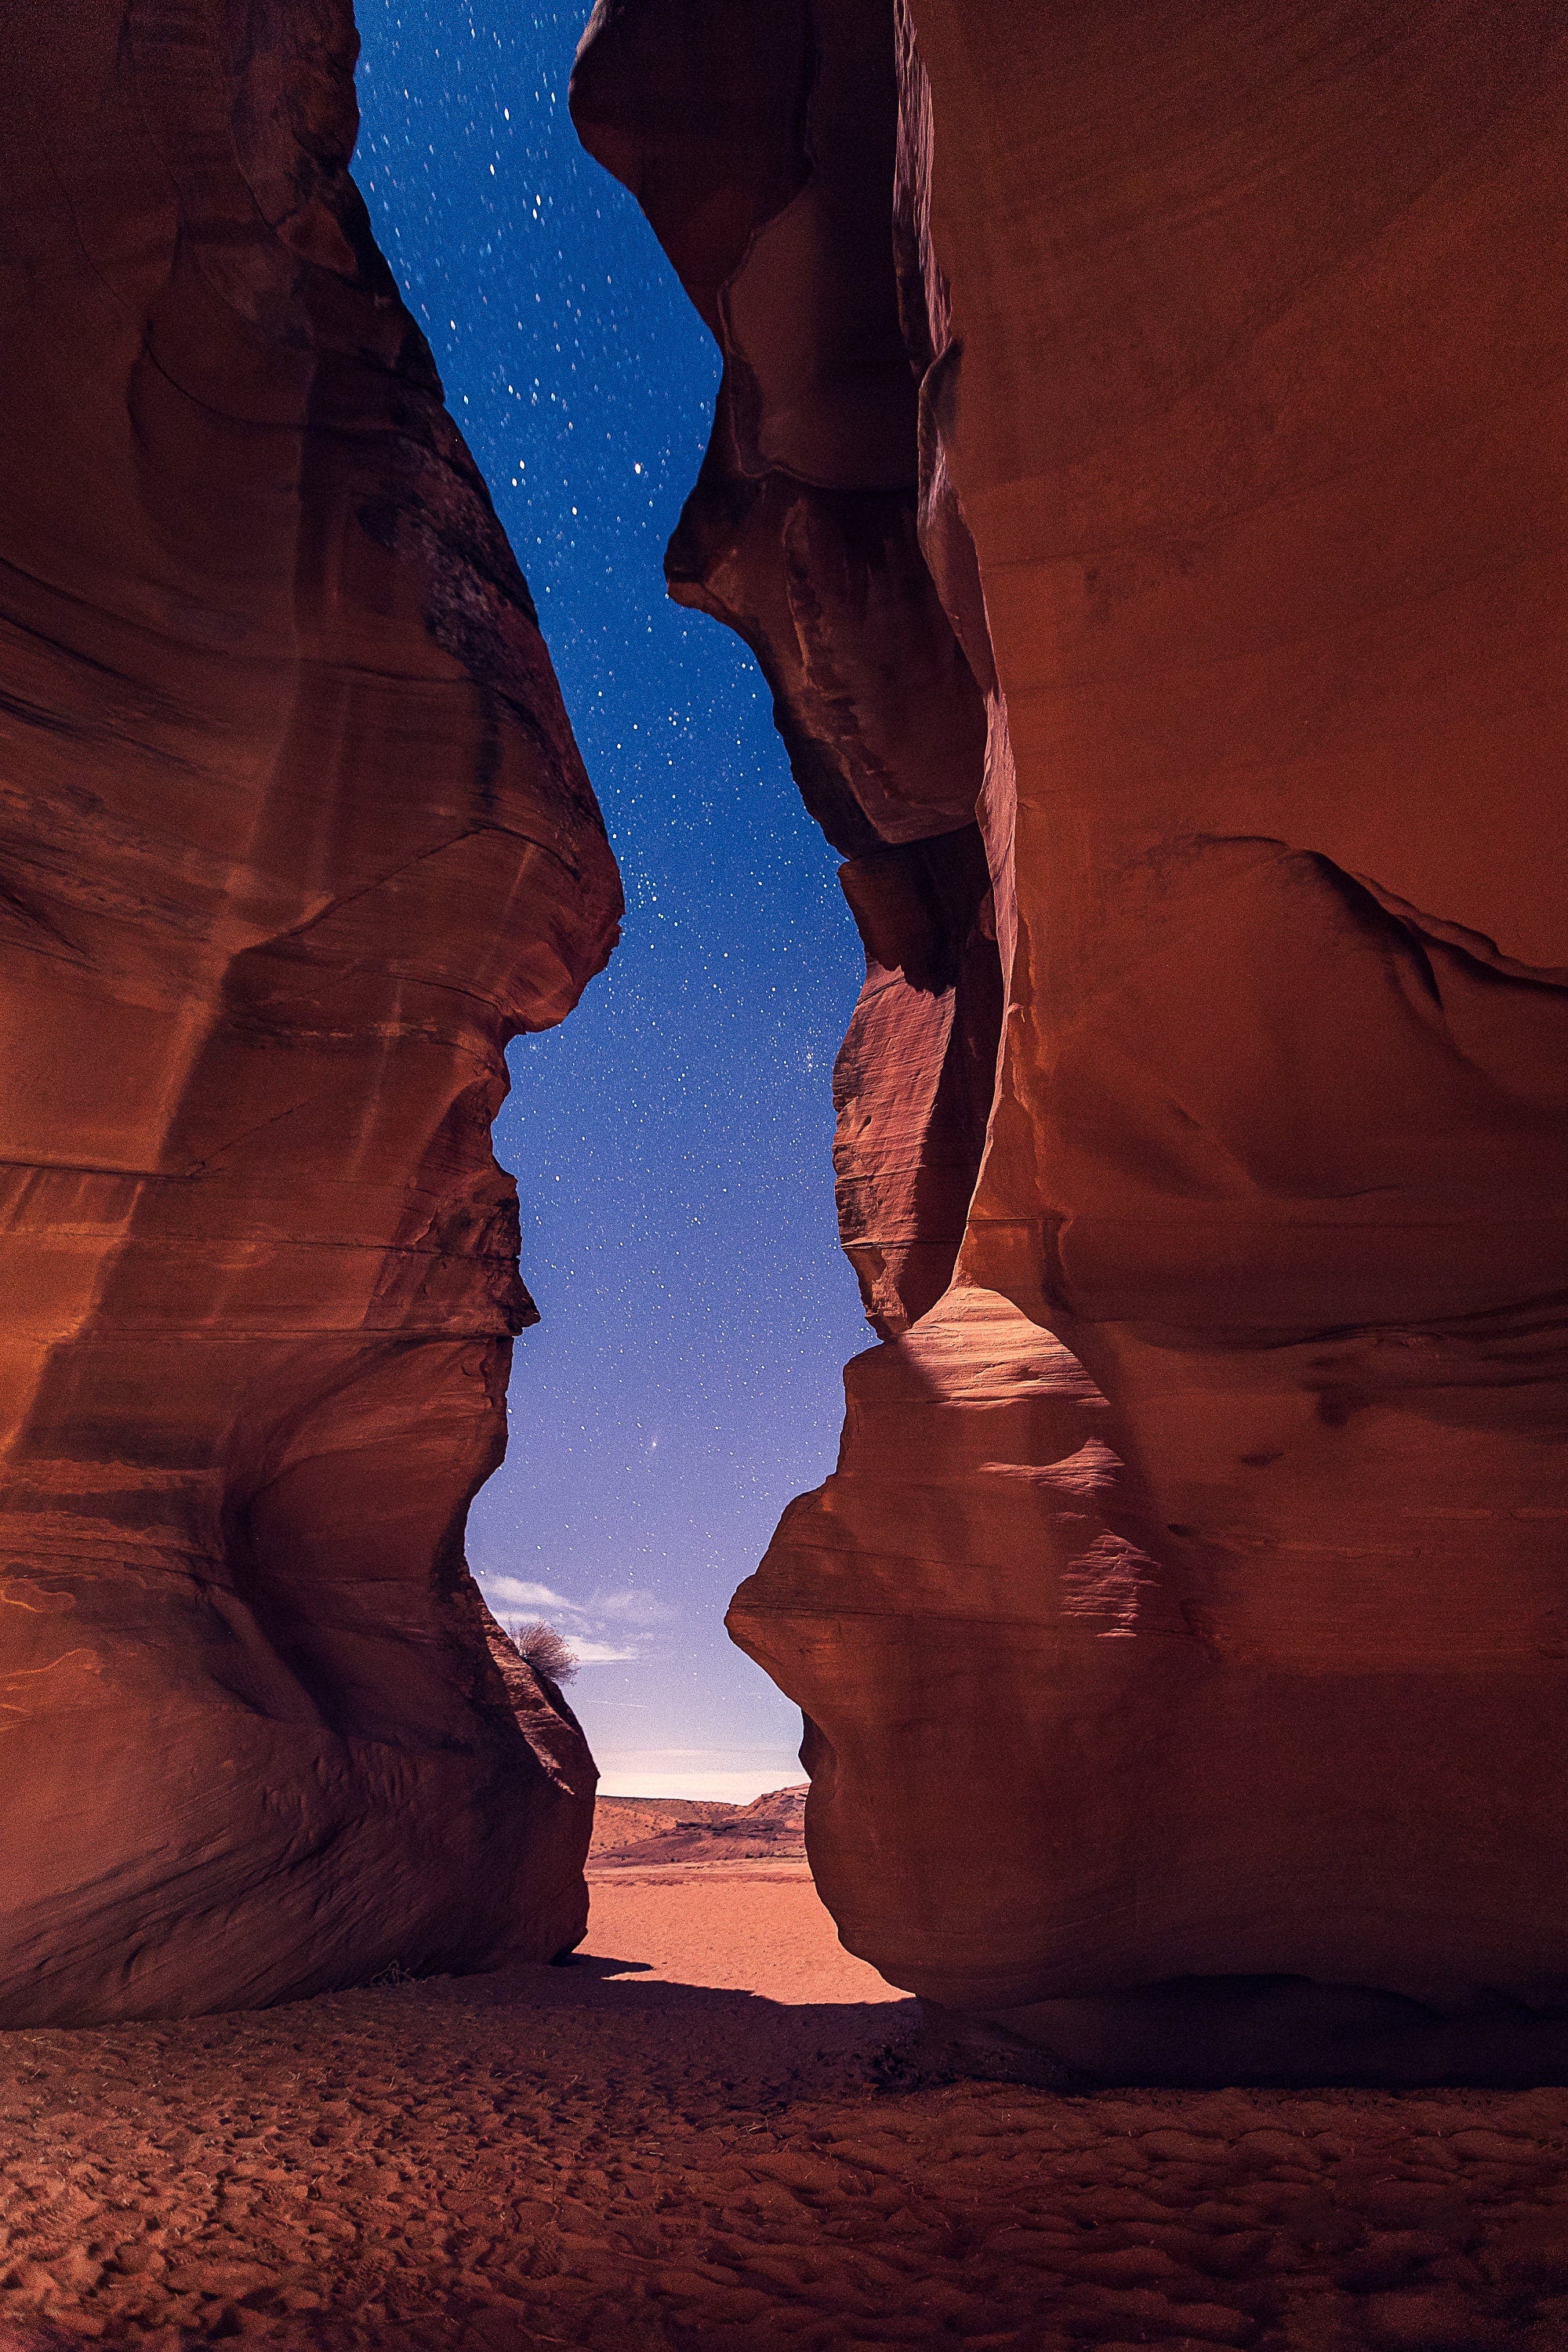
(711, 2133)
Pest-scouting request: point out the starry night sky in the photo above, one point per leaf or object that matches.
(671, 1142)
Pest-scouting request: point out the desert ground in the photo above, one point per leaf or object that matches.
(711, 2132)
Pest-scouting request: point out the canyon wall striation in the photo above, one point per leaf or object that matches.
(293, 838)
(1138, 471)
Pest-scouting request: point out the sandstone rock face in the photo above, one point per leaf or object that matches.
(293, 838)
(1183, 1636)
(763, 154)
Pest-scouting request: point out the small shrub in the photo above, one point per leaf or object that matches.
(546, 1650)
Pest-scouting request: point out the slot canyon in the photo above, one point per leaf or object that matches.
(1137, 472)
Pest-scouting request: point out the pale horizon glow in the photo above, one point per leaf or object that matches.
(737, 1788)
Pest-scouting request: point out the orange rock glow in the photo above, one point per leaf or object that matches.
(1138, 469)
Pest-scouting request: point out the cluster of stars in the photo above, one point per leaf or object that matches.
(672, 1141)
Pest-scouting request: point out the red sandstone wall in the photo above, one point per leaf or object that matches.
(761, 143)
(293, 837)
(1181, 1637)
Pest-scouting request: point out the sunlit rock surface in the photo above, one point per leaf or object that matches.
(1184, 1637)
(293, 837)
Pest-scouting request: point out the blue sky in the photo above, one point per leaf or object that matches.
(671, 1141)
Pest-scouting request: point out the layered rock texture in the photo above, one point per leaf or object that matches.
(770, 1828)
(293, 837)
(1139, 471)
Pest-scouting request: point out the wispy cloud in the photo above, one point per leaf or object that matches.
(633, 1608)
(613, 1628)
(516, 1592)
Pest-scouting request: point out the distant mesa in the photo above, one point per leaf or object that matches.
(1136, 471)
(634, 1831)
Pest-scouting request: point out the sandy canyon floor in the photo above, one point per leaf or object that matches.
(691, 2139)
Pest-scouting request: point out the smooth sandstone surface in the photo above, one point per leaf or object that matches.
(1183, 1637)
(762, 145)
(293, 838)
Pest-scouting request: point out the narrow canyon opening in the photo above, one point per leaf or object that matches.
(1082, 491)
(1120, 821)
(672, 1141)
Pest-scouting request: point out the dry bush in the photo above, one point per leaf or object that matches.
(546, 1650)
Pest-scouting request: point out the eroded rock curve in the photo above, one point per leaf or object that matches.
(1181, 1635)
(293, 838)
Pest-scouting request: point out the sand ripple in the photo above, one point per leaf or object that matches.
(612, 2158)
